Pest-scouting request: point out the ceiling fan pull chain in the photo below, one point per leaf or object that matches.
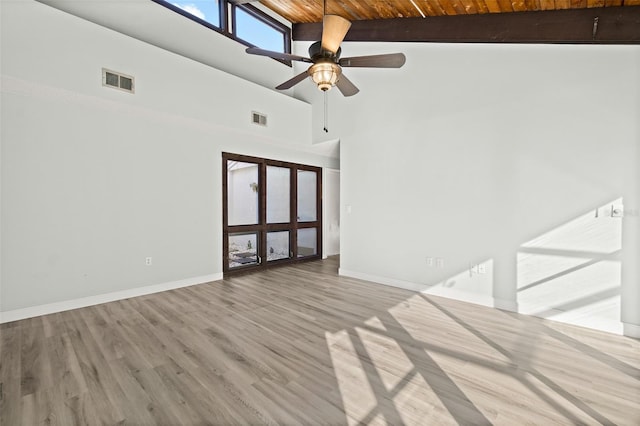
(326, 111)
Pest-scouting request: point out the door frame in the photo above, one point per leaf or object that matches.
(262, 227)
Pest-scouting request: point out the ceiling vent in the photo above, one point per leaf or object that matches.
(117, 80)
(258, 118)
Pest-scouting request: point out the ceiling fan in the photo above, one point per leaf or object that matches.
(326, 68)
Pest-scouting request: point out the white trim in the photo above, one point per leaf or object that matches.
(325, 222)
(581, 319)
(614, 327)
(381, 280)
(51, 308)
(631, 330)
(436, 290)
(505, 305)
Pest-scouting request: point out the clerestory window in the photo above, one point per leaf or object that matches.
(242, 22)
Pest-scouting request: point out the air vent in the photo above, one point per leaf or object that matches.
(258, 118)
(117, 80)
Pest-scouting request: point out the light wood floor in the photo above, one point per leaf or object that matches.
(299, 345)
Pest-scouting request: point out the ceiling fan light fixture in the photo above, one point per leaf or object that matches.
(325, 74)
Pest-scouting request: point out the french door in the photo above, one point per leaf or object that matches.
(272, 212)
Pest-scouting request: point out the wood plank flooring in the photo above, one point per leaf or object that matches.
(300, 345)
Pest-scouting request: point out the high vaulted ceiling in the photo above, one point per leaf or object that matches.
(306, 11)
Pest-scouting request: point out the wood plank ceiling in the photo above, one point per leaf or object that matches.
(308, 11)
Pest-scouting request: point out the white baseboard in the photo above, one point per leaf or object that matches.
(631, 330)
(505, 305)
(381, 280)
(614, 327)
(51, 308)
(451, 293)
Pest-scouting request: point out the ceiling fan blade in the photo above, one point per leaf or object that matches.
(242, 1)
(293, 81)
(334, 29)
(346, 87)
(276, 55)
(391, 60)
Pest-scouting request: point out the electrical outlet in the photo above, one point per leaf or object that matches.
(482, 268)
(430, 262)
(148, 261)
(617, 210)
(440, 262)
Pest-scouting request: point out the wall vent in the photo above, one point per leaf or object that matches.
(117, 80)
(258, 118)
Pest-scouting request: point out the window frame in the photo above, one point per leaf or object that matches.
(180, 11)
(262, 228)
(262, 17)
(227, 13)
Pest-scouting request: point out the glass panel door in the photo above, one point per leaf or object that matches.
(307, 242)
(278, 194)
(278, 245)
(243, 250)
(271, 212)
(307, 195)
(242, 193)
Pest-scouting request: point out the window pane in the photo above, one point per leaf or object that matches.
(257, 32)
(278, 194)
(243, 250)
(307, 238)
(242, 193)
(207, 10)
(306, 196)
(277, 245)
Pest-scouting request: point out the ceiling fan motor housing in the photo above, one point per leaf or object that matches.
(317, 52)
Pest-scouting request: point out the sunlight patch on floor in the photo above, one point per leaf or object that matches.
(418, 404)
(358, 398)
(374, 322)
(378, 420)
(387, 357)
(420, 319)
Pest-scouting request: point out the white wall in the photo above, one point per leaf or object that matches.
(331, 213)
(471, 151)
(94, 180)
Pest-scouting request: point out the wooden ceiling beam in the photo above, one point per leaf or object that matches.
(603, 25)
